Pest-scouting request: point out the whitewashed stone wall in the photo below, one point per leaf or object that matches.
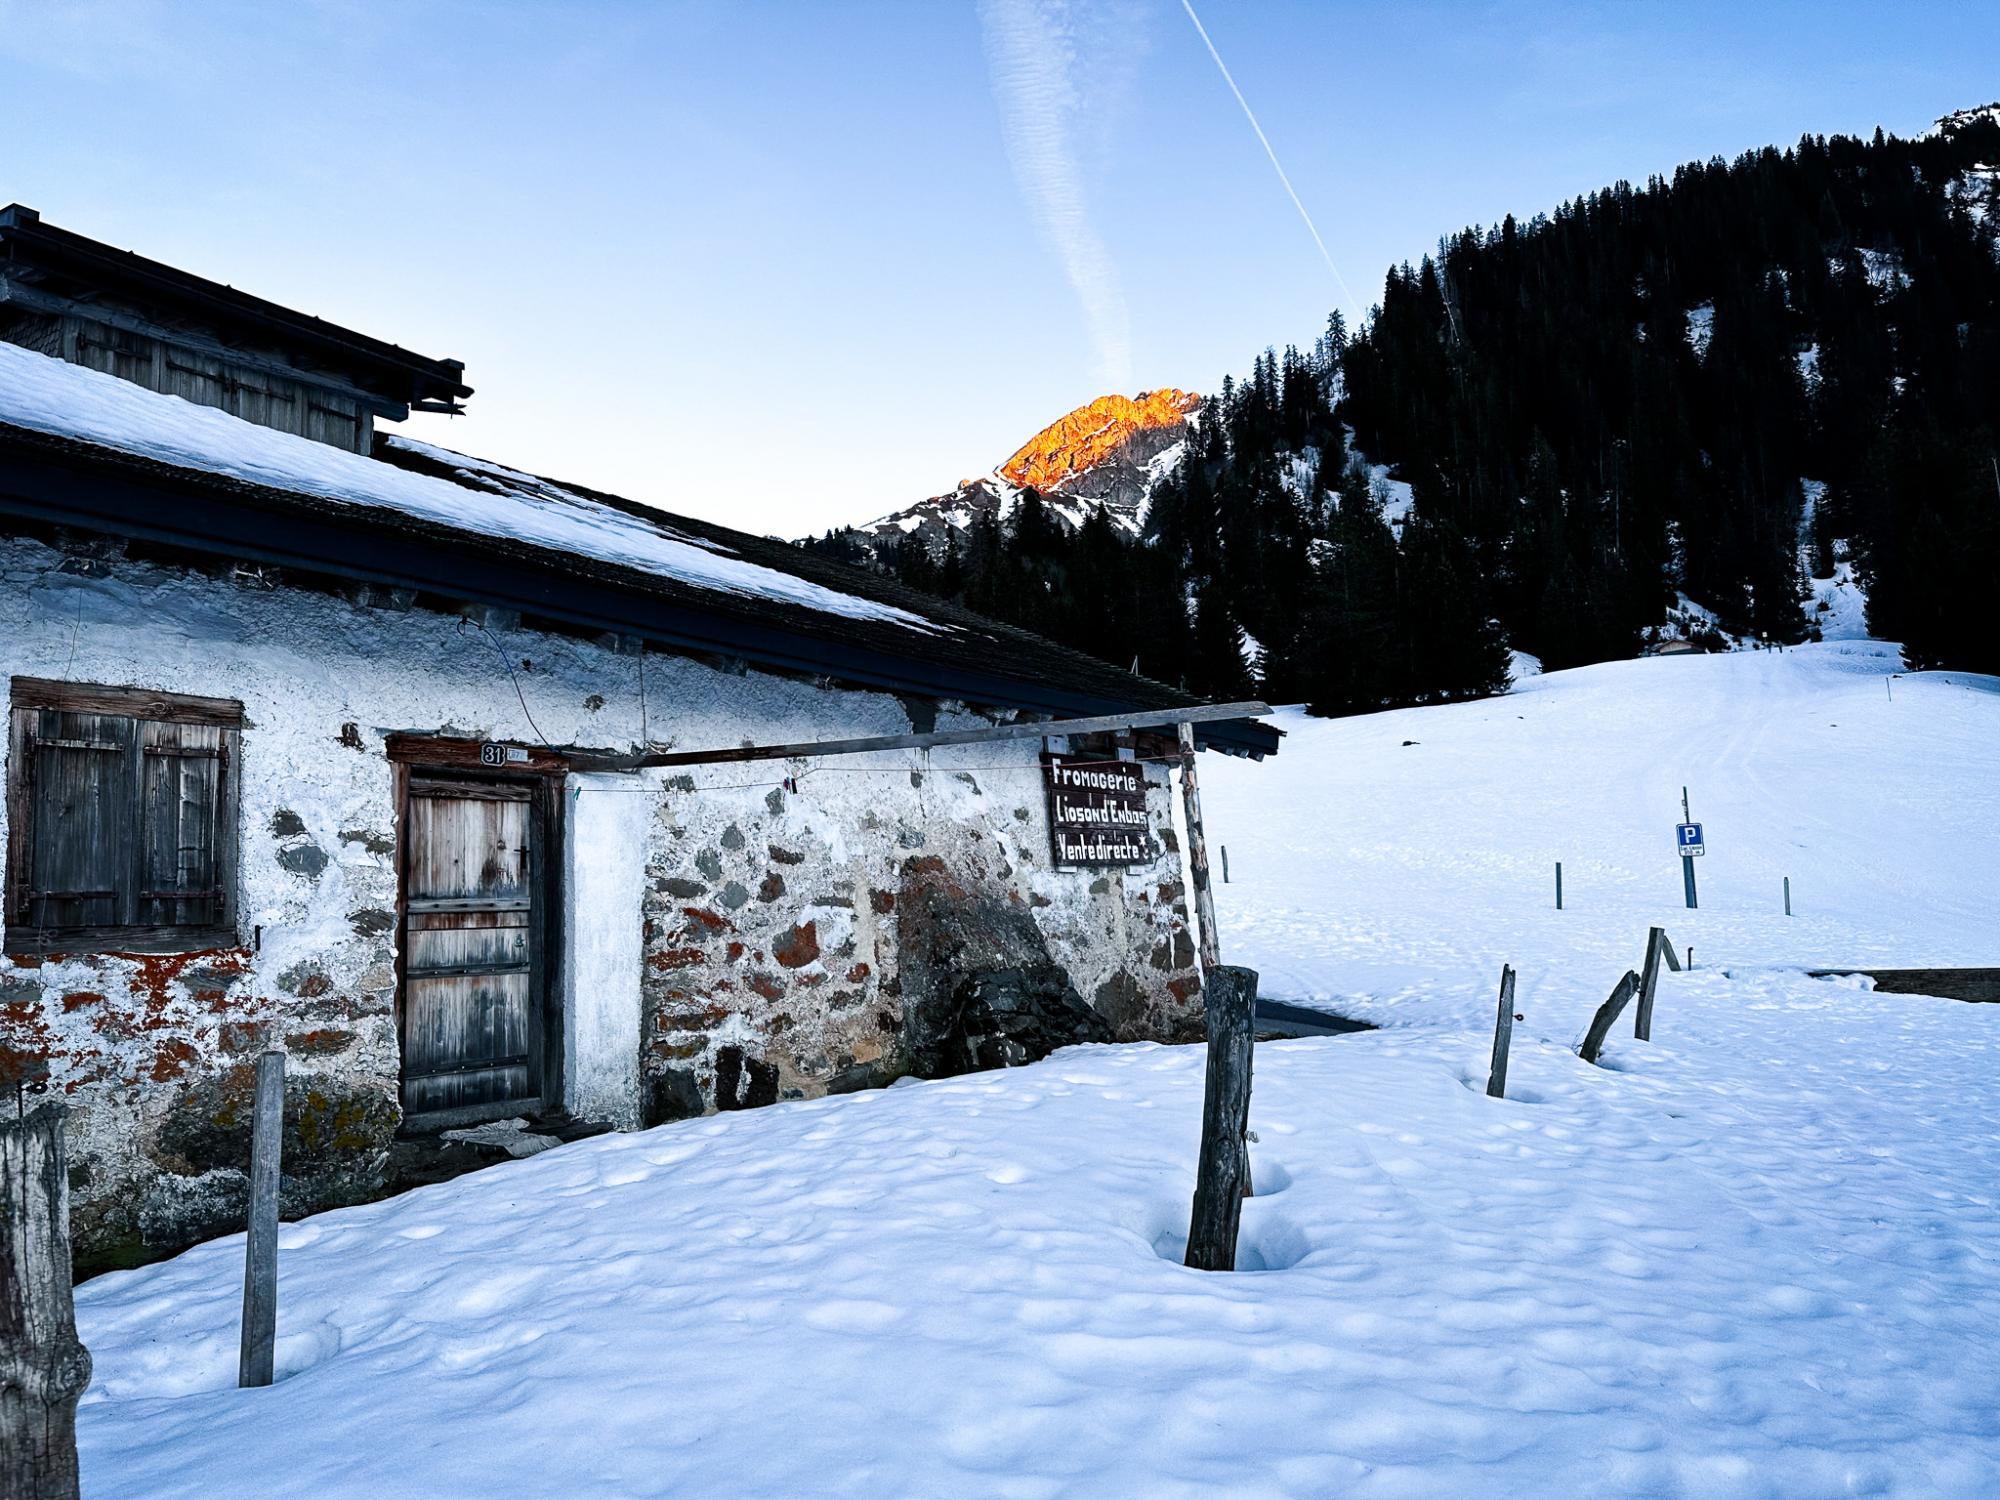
(733, 940)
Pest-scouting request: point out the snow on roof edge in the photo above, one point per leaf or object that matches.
(48, 395)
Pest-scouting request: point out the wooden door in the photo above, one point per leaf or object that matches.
(473, 934)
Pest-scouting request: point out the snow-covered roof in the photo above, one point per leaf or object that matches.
(48, 395)
(85, 449)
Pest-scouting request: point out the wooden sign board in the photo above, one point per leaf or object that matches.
(1097, 812)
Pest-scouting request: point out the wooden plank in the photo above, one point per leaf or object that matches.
(471, 971)
(117, 939)
(468, 791)
(193, 344)
(1649, 978)
(545, 883)
(1223, 1169)
(181, 796)
(457, 754)
(1607, 1017)
(256, 1353)
(43, 1366)
(1503, 1036)
(807, 749)
(21, 725)
(469, 904)
(131, 702)
(1210, 946)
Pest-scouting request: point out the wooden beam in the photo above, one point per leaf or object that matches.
(14, 291)
(1207, 940)
(45, 1366)
(1222, 1173)
(256, 1355)
(1024, 730)
(1649, 978)
(1503, 1036)
(1607, 1016)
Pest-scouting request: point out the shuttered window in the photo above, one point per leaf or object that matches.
(121, 819)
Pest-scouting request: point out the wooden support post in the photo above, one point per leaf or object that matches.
(1649, 976)
(1788, 895)
(43, 1366)
(260, 1247)
(1559, 885)
(1667, 952)
(1225, 870)
(1224, 1170)
(1607, 1016)
(1503, 1036)
(1207, 944)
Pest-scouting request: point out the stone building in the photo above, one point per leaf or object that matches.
(314, 736)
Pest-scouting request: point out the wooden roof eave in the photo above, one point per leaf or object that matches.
(62, 482)
(30, 243)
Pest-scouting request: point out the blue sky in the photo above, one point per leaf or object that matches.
(788, 266)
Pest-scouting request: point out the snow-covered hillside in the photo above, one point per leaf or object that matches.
(1751, 1258)
(1424, 866)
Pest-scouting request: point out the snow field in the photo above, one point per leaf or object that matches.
(1751, 1258)
(1391, 881)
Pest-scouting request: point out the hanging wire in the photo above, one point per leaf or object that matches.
(507, 662)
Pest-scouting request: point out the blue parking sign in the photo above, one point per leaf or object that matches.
(1690, 838)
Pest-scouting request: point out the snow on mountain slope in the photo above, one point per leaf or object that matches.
(1106, 455)
(1424, 867)
(1750, 1258)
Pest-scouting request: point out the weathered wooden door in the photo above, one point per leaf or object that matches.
(473, 935)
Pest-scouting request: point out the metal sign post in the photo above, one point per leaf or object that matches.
(1688, 835)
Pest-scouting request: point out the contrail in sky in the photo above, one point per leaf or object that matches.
(1031, 52)
(1250, 115)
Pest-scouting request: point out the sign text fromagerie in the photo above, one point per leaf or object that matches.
(1097, 811)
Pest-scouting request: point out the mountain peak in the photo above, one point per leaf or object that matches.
(1080, 441)
(1106, 455)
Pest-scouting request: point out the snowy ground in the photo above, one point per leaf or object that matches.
(1754, 1257)
(1423, 867)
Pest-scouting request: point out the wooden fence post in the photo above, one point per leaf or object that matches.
(256, 1357)
(1607, 1016)
(1788, 895)
(1503, 1036)
(43, 1366)
(1559, 885)
(1224, 1169)
(1642, 1026)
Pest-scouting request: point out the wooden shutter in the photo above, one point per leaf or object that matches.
(76, 769)
(121, 826)
(184, 875)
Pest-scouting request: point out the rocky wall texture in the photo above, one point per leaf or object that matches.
(859, 923)
(896, 914)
